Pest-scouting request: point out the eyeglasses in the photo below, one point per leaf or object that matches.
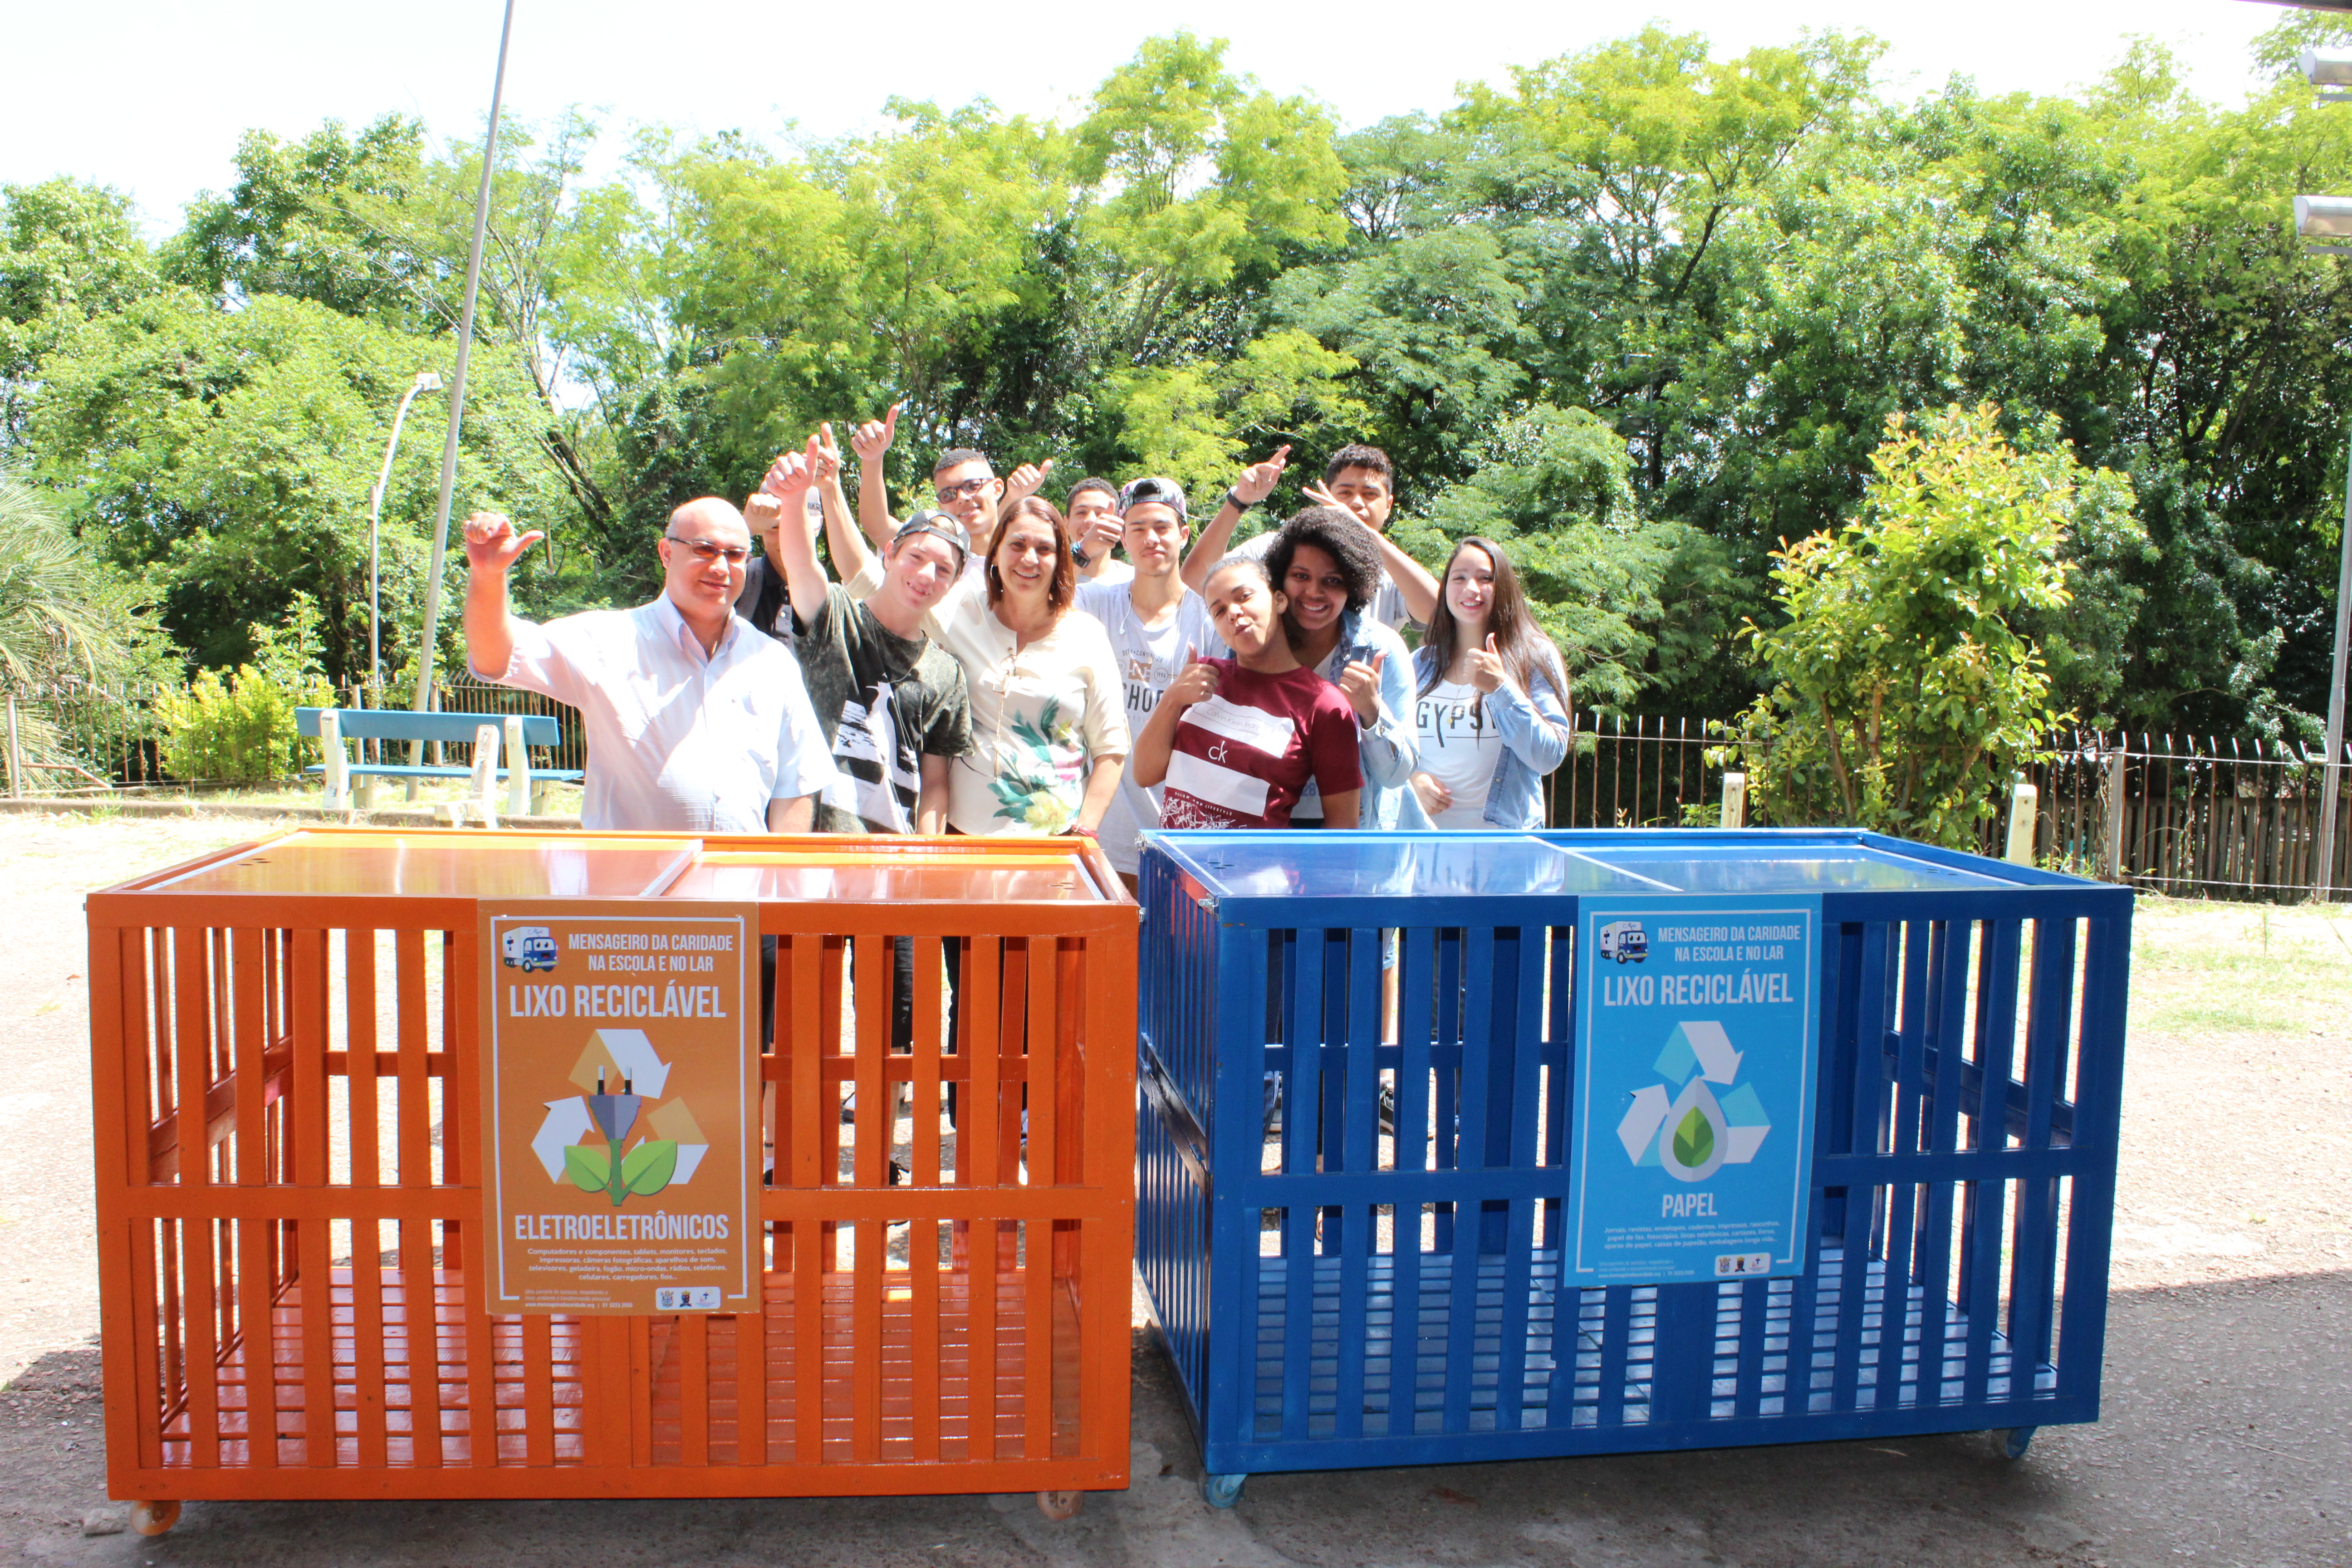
(952, 493)
(712, 550)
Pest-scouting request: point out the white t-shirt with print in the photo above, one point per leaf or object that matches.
(1149, 658)
(1460, 747)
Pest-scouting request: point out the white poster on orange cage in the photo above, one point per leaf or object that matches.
(620, 1105)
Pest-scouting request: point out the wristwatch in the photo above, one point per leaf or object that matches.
(1233, 500)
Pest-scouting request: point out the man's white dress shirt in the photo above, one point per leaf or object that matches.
(678, 741)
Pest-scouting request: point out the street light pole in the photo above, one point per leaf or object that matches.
(425, 656)
(425, 382)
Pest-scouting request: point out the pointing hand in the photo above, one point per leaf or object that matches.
(1257, 480)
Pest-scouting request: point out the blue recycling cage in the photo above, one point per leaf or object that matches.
(1352, 1245)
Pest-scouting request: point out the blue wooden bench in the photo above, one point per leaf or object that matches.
(488, 734)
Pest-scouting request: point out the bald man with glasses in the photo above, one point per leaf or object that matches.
(697, 723)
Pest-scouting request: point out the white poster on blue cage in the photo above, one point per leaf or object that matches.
(1692, 1125)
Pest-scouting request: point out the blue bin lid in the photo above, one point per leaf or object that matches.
(1828, 868)
(1324, 865)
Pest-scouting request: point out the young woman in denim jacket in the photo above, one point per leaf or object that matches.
(1491, 713)
(1324, 565)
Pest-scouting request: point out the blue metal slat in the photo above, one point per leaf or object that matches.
(1948, 1023)
(1416, 990)
(1359, 1228)
(1521, 979)
(1986, 1215)
(1875, 990)
(2048, 1026)
(1239, 987)
(1302, 1034)
(2098, 1116)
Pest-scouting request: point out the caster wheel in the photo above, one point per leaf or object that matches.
(1221, 1491)
(1060, 1505)
(2014, 1441)
(153, 1517)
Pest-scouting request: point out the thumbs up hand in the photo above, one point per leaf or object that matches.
(790, 476)
(1488, 672)
(873, 438)
(1196, 683)
(1026, 480)
(1361, 684)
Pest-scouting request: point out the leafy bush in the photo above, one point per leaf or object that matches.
(241, 730)
(1904, 697)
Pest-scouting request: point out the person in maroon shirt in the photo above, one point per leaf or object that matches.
(1237, 739)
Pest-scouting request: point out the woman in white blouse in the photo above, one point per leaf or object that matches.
(1049, 735)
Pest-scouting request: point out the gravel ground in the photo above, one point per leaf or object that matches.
(2224, 1439)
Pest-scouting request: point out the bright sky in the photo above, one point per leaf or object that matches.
(151, 96)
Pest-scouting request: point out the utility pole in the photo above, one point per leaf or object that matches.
(425, 659)
(2330, 218)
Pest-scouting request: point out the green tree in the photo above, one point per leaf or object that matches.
(304, 219)
(1198, 423)
(1628, 599)
(68, 252)
(1200, 182)
(64, 617)
(69, 624)
(224, 457)
(1903, 695)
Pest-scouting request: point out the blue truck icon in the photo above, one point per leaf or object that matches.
(1625, 941)
(528, 948)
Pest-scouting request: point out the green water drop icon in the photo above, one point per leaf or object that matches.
(1694, 1140)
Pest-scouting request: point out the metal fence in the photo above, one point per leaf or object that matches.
(2189, 815)
(83, 737)
(2184, 814)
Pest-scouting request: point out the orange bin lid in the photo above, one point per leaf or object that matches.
(375, 863)
(925, 873)
(379, 863)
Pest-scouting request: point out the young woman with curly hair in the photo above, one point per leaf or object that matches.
(1325, 567)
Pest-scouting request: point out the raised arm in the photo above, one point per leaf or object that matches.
(788, 480)
(851, 553)
(870, 441)
(831, 501)
(492, 547)
(1256, 483)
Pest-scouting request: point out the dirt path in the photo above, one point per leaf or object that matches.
(2223, 1439)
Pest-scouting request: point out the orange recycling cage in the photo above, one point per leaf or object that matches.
(292, 1313)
